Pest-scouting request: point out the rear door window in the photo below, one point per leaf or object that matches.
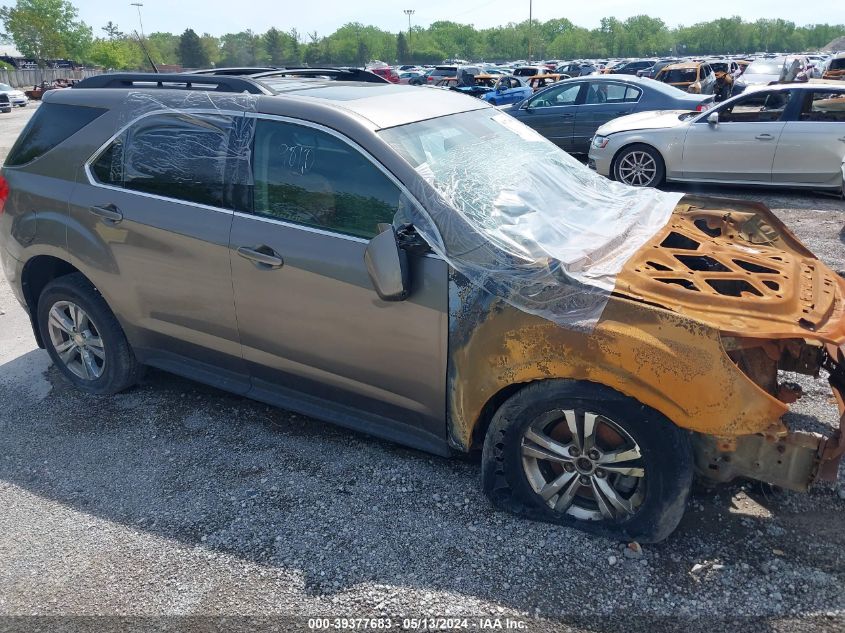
(179, 156)
(310, 177)
(51, 125)
(824, 107)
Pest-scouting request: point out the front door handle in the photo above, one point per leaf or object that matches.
(764, 137)
(108, 213)
(262, 256)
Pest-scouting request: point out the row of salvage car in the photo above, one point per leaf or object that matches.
(775, 130)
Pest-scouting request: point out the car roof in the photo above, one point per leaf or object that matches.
(683, 66)
(382, 104)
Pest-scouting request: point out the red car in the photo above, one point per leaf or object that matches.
(387, 72)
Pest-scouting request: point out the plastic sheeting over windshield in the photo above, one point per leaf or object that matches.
(522, 219)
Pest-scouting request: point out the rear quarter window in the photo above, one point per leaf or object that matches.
(51, 125)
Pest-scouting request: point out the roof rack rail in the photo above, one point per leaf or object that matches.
(237, 70)
(338, 74)
(174, 82)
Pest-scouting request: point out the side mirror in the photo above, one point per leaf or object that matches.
(713, 119)
(387, 265)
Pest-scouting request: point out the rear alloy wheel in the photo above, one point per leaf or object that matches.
(580, 454)
(84, 338)
(639, 166)
(76, 339)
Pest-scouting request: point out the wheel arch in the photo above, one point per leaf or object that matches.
(662, 360)
(36, 274)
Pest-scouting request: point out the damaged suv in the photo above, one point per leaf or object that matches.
(425, 268)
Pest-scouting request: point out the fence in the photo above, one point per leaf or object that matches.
(34, 76)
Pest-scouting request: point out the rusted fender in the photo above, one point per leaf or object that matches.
(664, 360)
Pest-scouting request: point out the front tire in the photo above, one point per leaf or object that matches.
(582, 455)
(639, 165)
(83, 337)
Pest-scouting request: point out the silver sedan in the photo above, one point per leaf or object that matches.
(787, 135)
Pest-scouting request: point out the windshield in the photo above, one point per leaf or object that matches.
(5, 87)
(764, 68)
(837, 64)
(679, 75)
(520, 218)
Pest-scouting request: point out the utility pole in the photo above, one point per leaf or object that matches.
(409, 13)
(530, 20)
(138, 6)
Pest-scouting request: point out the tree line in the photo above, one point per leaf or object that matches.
(51, 29)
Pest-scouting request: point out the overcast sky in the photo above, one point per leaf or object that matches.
(324, 16)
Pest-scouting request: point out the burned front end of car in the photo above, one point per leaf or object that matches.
(779, 311)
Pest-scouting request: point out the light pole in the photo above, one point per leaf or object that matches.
(138, 6)
(409, 13)
(530, 20)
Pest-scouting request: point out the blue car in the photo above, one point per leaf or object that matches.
(507, 90)
(569, 112)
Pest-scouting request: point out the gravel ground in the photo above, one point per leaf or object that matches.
(178, 499)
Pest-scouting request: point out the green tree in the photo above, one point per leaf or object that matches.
(212, 48)
(163, 47)
(112, 32)
(191, 51)
(115, 54)
(294, 48)
(275, 45)
(47, 29)
(403, 53)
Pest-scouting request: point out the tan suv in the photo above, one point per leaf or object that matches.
(425, 268)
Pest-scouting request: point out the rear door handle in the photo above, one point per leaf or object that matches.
(109, 213)
(262, 256)
(764, 137)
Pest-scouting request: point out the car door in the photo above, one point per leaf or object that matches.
(741, 146)
(812, 145)
(552, 112)
(315, 336)
(603, 101)
(152, 220)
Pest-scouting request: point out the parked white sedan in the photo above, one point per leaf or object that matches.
(16, 97)
(788, 135)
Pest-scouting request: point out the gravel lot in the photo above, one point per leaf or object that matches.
(178, 499)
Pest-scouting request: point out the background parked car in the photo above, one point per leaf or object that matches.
(835, 68)
(632, 67)
(386, 72)
(763, 72)
(651, 72)
(508, 90)
(570, 112)
(413, 78)
(5, 104)
(530, 71)
(16, 97)
(692, 77)
(791, 135)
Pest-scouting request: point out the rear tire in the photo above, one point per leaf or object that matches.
(639, 165)
(83, 337)
(630, 481)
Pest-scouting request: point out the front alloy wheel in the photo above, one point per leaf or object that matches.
(639, 166)
(580, 454)
(637, 169)
(584, 465)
